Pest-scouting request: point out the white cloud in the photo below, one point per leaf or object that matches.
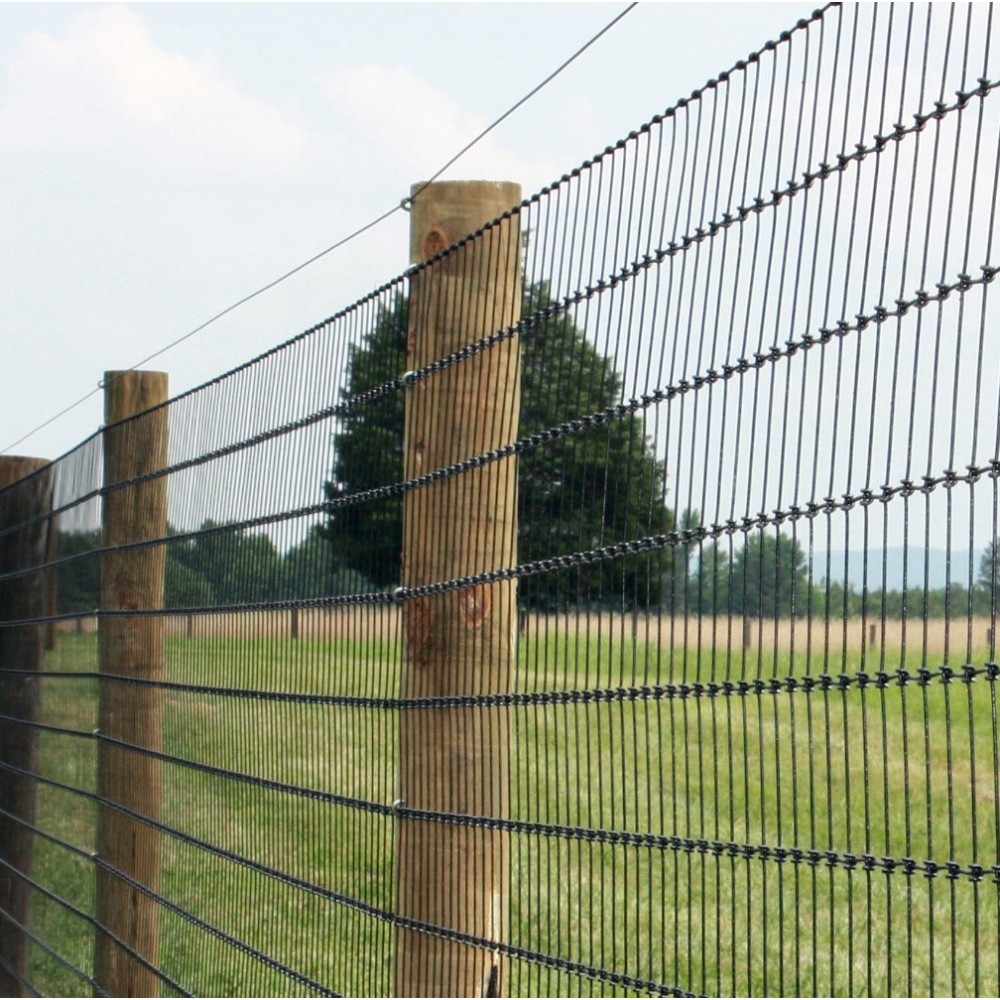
(419, 127)
(104, 83)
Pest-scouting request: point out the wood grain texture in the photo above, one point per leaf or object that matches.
(460, 642)
(132, 580)
(25, 494)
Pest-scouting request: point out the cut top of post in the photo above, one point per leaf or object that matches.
(14, 468)
(128, 393)
(459, 208)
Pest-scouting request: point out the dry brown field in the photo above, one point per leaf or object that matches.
(955, 638)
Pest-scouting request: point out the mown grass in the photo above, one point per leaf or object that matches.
(902, 772)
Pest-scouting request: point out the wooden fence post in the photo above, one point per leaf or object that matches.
(51, 555)
(462, 642)
(131, 580)
(21, 649)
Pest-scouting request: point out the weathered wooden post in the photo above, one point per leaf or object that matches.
(25, 496)
(462, 642)
(131, 646)
(51, 555)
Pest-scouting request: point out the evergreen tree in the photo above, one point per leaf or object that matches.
(78, 582)
(710, 586)
(680, 593)
(223, 567)
(311, 570)
(768, 577)
(585, 490)
(185, 587)
(989, 567)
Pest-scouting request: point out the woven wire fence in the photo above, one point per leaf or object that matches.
(638, 639)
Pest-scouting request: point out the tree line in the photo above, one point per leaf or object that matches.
(599, 485)
(769, 577)
(217, 567)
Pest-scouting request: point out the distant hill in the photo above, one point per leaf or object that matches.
(915, 560)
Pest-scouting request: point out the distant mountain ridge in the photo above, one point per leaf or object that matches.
(915, 560)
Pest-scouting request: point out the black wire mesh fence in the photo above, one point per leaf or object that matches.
(605, 607)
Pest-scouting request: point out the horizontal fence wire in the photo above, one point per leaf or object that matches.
(606, 606)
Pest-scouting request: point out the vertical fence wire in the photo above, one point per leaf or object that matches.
(753, 738)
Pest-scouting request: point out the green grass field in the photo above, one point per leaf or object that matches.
(906, 771)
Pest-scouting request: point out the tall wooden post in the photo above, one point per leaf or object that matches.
(21, 649)
(131, 580)
(455, 760)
